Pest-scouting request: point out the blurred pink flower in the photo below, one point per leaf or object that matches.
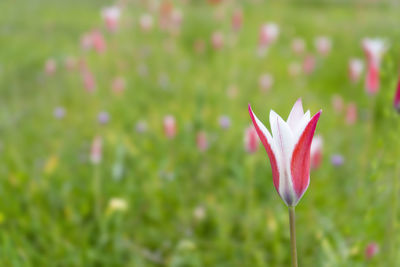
(265, 82)
(316, 152)
(268, 34)
(175, 21)
(374, 50)
(96, 150)
(50, 66)
(201, 141)
(169, 126)
(250, 140)
(111, 17)
(337, 103)
(351, 113)
(237, 19)
(309, 64)
(356, 67)
(371, 250)
(288, 149)
(86, 41)
(323, 45)
(98, 41)
(146, 22)
(217, 40)
(118, 85)
(298, 46)
(88, 81)
(396, 101)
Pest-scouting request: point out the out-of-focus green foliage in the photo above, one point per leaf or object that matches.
(186, 207)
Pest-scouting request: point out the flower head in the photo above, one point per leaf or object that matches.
(356, 67)
(288, 150)
(316, 152)
(250, 140)
(111, 17)
(169, 126)
(371, 250)
(374, 50)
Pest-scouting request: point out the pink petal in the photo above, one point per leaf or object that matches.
(300, 165)
(266, 140)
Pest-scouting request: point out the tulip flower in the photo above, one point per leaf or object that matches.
(217, 40)
(266, 81)
(288, 149)
(146, 22)
(374, 49)
(316, 152)
(201, 141)
(50, 66)
(237, 19)
(250, 140)
(86, 41)
(309, 64)
(371, 250)
(397, 98)
(268, 34)
(323, 45)
(356, 67)
(169, 126)
(98, 41)
(88, 81)
(111, 17)
(351, 114)
(298, 46)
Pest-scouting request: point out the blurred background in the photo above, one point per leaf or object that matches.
(125, 138)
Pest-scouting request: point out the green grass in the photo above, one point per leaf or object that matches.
(47, 207)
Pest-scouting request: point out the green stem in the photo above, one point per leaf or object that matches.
(394, 215)
(293, 249)
(97, 192)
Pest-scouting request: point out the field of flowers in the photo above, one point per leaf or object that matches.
(126, 140)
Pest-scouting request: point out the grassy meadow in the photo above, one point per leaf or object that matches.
(178, 205)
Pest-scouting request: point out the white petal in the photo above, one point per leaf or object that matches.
(284, 143)
(296, 114)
